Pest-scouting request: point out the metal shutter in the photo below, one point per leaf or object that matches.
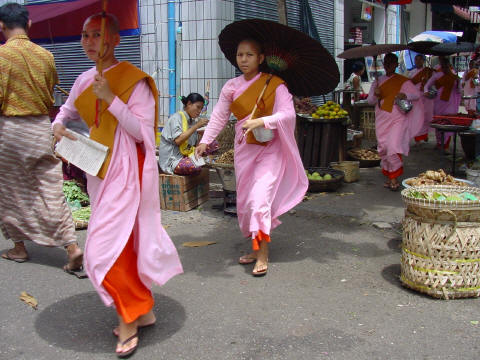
(261, 9)
(71, 60)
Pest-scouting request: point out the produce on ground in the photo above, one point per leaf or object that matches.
(73, 192)
(364, 154)
(432, 177)
(329, 110)
(226, 157)
(82, 214)
(442, 196)
(315, 175)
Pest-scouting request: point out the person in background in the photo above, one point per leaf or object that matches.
(354, 82)
(394, 128)
(448, 97)
(419, 77)
(470, 88)
(179, 138)
(32, 203)
(270, 178)
(127, 249)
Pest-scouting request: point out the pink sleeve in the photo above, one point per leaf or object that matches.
(283, 110)
(138, 112)
(432, 80)
(68, 111)
(220, 115)
(410, 90)
(372, 99)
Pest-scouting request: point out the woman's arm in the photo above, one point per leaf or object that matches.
(184, 136)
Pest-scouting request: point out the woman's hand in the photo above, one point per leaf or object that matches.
(101, 88)
(201, 122)
(60, 131)
(200, 150)
(249, 125)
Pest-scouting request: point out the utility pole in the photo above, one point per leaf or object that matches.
(282, 12)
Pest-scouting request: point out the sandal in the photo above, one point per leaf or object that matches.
(78, 272)
(387, 184)
(258, 273)
(9, 256)
(130, 351)
(246, 259)
(395, 187)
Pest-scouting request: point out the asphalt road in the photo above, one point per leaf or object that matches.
(332, 291)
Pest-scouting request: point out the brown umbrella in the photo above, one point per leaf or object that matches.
(305, 65)
(371, 50)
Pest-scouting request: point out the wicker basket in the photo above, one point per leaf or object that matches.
(351, 170)
(325, 185)
(441, 244)
(367, 123)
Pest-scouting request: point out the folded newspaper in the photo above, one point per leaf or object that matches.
(84, 153)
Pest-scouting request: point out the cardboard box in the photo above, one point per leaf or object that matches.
(183, 193)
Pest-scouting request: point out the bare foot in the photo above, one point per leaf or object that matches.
(261, 265)
(75, 257)
(127, 338)
(17, 254)
(248, 259)
(146, 320)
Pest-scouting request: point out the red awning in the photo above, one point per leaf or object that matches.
(466, 14)
(65, 19)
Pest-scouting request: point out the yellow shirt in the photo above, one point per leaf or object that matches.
(27, 78)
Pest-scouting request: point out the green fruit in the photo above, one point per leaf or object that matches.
(306, 172)
(315, 174)
(309, 176)
(327, 177)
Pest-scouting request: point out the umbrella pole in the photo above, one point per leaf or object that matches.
(98, 103)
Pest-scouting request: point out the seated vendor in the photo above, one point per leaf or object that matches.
(179, 137)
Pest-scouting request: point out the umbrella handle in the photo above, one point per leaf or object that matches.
(256, 104)
(98, 104)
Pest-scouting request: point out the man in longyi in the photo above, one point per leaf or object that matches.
(32, 203)
(394, 128)
(419, 77)
(127, 249)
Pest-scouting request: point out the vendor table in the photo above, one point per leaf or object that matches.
(321, 141)
(450, 128)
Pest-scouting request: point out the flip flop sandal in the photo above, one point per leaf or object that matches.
(261, 272)
(7, 256)
(395, 187)
(245, 260)
(79, 273)
(116, 333)
(126, 354)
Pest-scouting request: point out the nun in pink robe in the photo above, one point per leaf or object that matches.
(442, 107)
(427, 106)
(395, 129)
(119, 204)
(270, 179)
(470, 89)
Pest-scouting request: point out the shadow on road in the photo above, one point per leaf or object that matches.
(83, 324)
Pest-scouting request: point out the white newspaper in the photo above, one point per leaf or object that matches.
(197, 162)
(84, 153)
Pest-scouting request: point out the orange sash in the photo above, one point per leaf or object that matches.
(389, 90)
(470, 75)
(244, 104)
(446, 82)
(122, 80)
(422, 76)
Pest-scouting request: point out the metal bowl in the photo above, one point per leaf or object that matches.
(476, 81)
(404, 105)
(431, 93)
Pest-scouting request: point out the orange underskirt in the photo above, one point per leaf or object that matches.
(131, 297)
(261, 236)
(423, 137)
(394, 174)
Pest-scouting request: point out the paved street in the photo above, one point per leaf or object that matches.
(332, 291)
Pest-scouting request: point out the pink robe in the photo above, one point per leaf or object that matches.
(427, 106)
(395, 129)
(468, 90)
(270, 179)
(441, 107)
(118, 205)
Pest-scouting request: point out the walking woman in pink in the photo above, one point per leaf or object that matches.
(127, 249)
(270, 177)
(448, 96)
(471, 87)
(394, 129)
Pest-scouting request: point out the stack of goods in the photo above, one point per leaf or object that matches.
(441, 241)
(356, 35)
(432, 177)
(304, 105)
(79, 203)
(226, 158)
(329, 110)
(366, 157)
(323, 179)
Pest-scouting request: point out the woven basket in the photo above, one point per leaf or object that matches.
(226, 138)
(351, 170)
(441, 244)
(367, 123)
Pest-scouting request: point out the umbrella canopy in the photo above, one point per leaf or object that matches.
(371, 50)
(305, 65)
(452, 48)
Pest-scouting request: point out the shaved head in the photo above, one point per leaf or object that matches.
(111, 22)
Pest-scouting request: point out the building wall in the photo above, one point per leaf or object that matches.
(420, 18)
(339, 35)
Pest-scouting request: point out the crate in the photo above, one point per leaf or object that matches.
(183, 193)
(367, 123)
